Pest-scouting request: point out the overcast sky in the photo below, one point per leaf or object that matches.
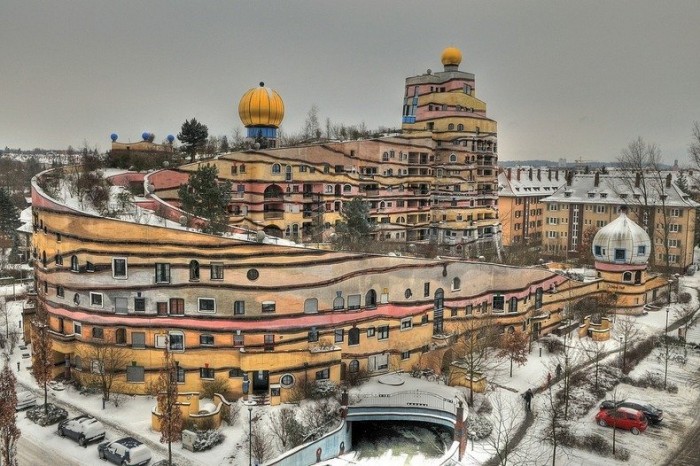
(569, 79)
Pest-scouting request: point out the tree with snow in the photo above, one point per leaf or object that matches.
(42, 363)
(9, 433)
(193, 136)
(353, 230)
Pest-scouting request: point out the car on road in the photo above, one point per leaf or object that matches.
(25, 400)
(623, 418)
(126, 451)
(653, 414)
(83, 429)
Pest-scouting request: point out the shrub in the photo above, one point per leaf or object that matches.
(207, 439)
(485, 407)
(684, 297)
(353, 379)
(209, 388)
(55, 414)
(478, 427)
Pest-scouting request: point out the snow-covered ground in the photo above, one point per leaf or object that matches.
(133, 414)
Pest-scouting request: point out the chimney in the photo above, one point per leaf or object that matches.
(517, 174)
(539, 174)
(556, 175)
(569, 177)
(529, 174)
(510, 172)
(549, 174)
(668, 180)
(637, 179)
(596, 180)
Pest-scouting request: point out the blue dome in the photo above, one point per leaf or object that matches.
(170, 138)
(145, 135)
(114, 137)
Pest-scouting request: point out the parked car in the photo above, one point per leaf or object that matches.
(126, 451)
(623, 418)
(25, 400)
(654, 415)
(84, 429)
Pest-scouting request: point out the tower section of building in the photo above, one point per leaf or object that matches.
(261, 110)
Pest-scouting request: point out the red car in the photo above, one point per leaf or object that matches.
(623, 418)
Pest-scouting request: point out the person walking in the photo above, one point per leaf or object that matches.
(528, 398)
(558, 370)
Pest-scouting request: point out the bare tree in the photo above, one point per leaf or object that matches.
(106, 363)
(474, 350)
(285, 427)
(685, 311)
(514, 347)
(627, 329)
(694, 149)
(260, 444)
(507, 413)
(168, 406)
(42, 364)
(594, 351)
(9, 433)
(555, 425)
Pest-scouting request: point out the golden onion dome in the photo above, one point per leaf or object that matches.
(261, 106)
(451, 56)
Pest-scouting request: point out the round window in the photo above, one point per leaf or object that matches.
(287, 380)
(253, 274)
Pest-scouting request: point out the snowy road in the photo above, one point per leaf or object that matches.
(33, 452)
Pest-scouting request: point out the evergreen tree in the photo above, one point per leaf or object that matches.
(223, 145)
(193, 135)
(9, 216)
(9, 433)
(204, 196)
(353, 231)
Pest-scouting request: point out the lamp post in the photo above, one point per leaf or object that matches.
(249, 404)
(668, 308)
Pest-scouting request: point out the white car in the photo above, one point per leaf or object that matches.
(83, 428)
(25, 400)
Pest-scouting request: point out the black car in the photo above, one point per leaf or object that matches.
(653, 414)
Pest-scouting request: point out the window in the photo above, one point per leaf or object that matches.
(407, 294)
(135, 374)
(370, 332)
(138, 340)
(119, 267)
(354, 336)
(276, 169)
(287, 381)
(338, 302)
(598, 250)
(194, 270)
(426, 289)
(206, 340)
(216, 271)
(238, 308)
(238, 340)
(673, 243)
(406, 323)
(354, 366)
(207, 305)
(60, 292)
(120, 336)
(96, 299)
(538, 298)
(236, 372)
(675, 212)
(89, 266)
(311, 306)
(498, 303)
(206, 373)
(339, 335)
(439, 301)
(382, 332)
(176, 341)
(627, 277)
(313, 335)
(269, 342)
(98, 333)
(674, 228)
(162, 272)
(268, 306)
(59, 259)
(470, 309)
(74, 267)
(641, 250)
(77, 328)
(513, 305)
(179, 375)
(139, 304)
(354, 301)
(177, 307)
(121, 305)
(456, 284)
(324, 374)
(620, 254)
(405, 355)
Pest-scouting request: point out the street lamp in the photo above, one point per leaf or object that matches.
(249, 404)
(668, 308)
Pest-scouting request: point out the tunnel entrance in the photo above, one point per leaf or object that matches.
(374, 439)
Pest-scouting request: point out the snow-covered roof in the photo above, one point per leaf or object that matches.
(622, 241)
(531, 182)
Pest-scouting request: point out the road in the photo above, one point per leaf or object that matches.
(34, 453)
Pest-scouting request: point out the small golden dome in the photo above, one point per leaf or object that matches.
(451, 56)
(261, 106)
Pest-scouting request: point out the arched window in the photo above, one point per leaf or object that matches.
(120, 336)
(347, 188)
(439, 299)
(451, 127)
(371, 299)
(456, 283)
(338, 303)
(453, 158)
(311, 306)
(408, 293)
(194, 270)
(354, 366)
(276, 169)
(460, 127)
(638, 277)
(627, 277)
(74, 263)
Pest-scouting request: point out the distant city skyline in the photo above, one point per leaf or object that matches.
(564, 80)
